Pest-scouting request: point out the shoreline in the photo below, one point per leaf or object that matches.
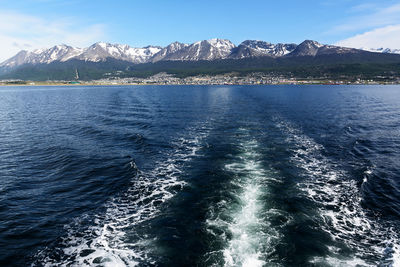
(223, 79)
(180, 84)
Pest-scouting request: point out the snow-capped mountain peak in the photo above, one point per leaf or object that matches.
(101, 51)
(307, 48)
(208, 50)
(97, 52)
(43, 56)
(269, 49)
(221, 43)
(382, 50)
(202, 50)
(212, 49)
(165, 52)
(16, 60)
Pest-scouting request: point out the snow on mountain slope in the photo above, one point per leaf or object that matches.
(382, 50)
(203, 50)
(58, 52)
(254, 48)
(313, 48)
(212, 49)
(94, 53)
(307, 48)
(270, 49)
(168, 50)
(101, 51)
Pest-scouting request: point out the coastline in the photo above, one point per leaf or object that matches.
(221, 79)
(255, 78)
(182, 84)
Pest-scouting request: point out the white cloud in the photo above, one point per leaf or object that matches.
(381, 17)
(386, 37)
(20, 31)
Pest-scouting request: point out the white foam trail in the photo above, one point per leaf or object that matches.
(107, 242)
(396, 255)
(247, 234)
(244, 246)
(339, 205)
(332, 261)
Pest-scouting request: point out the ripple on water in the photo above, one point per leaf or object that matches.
(338, 201)
(115, 237)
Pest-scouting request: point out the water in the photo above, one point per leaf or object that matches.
(200, 176)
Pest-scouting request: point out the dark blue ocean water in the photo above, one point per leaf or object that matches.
(200, 176)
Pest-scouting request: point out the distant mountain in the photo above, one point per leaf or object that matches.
(101, 51)
(252, 48)
(307, 48)
(57, 53)
(203, 50)
(383, 50)
(94, 53)
(213, 49)
(214, 55)
(313, 48)
(165, 52)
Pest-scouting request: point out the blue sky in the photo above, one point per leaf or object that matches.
(31, 24)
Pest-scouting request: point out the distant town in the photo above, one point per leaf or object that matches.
(222, 79)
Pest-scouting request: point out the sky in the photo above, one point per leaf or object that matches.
(33, 24)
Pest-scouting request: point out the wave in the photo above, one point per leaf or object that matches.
(338, 200)
(117, 237)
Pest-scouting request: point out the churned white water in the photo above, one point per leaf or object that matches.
(338, 201)
(113, 240)
(246, 233)
(245, 245)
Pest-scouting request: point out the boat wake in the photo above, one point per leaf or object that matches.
(356, 235)
(118, 237)
(241, 222)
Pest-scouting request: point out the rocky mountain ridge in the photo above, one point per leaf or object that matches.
(382, 50)
(206, 50)
(212, 49)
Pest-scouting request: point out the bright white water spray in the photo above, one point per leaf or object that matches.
(246, 227)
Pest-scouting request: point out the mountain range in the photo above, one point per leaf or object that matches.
(382, 50)
(111, 57)
(203, 50)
